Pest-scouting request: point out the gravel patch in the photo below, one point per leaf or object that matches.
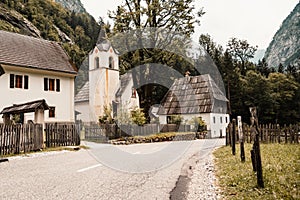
(203, 183)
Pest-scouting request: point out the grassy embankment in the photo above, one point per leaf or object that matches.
(281, 172)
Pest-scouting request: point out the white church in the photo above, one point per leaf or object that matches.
(105, 86)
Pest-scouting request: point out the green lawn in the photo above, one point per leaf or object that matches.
(281, 172)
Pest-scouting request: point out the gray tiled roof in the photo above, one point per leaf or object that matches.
(26, 51)
(83, 94)
(103, 43)
(124, 79)
(193, 95)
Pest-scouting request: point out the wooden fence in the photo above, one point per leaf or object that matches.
(113, 131)
(270, 133)
(62, 134)
(95, 133)
(18, 138)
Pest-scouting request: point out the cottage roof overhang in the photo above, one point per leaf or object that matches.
(1, 70)
(193, 95)
(26, 107)
(29, 52)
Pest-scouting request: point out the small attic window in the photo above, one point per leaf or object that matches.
(133, 93)
(111, 63)
(97, 63)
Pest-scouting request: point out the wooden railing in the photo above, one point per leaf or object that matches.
(269, 133)
(18, 138)
(62, 134)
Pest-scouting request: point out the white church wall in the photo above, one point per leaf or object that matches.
(103, 59)
(84, 109)
(127, 100)
(104, 81)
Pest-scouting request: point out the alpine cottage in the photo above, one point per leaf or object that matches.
(36, 79)
(196, 96)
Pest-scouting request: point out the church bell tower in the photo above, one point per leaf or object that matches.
(103, 75)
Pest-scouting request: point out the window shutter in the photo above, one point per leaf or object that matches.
(25, 82)
(57, 85)
(46, 84)
(12, 81)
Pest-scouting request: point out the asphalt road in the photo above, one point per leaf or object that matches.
(141, 171)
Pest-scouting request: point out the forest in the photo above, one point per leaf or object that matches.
(274, 90)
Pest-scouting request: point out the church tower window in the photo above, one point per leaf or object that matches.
(97, 62)
(111, 63)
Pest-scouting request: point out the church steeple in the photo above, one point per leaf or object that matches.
(103, 43)
(102, 35)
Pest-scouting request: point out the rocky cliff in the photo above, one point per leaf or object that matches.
(73, 5)
(285, 46)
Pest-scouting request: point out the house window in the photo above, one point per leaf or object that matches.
(18, 81)
(226, 119)
(97, 62)
(111, 62)
(57, 85)
(26, 82)
(214, 120)
(51, 112)
(221, 120)
(51, 84)
(133, 95)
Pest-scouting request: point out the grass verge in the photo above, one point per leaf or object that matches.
(281, 172)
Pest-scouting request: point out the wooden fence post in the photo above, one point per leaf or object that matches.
(256, 148)
(233, 136)
(241, 137)
(228, 133)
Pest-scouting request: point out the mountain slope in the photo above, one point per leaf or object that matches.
(73, 5)
(285, 46)
(77, 32)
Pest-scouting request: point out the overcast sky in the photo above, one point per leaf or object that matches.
(254, 20)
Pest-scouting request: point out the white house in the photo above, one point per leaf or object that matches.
(196, 96)
(105, 86)
(36, 72)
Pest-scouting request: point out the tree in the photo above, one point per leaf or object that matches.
(262, 67)
(241, 51)
(256, 93)
(285, 94)
(207, 43)
(166, 16)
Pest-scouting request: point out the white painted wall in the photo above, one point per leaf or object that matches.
(127, 102)
(103, 82)
(103, 58)
(214, 127)
(84, 109)
(63, 101)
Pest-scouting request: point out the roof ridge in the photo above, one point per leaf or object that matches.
(30, 37)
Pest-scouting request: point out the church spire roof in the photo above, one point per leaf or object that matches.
(102, 35)
(103, 43)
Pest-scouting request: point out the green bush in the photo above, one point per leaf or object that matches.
(138, 116)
